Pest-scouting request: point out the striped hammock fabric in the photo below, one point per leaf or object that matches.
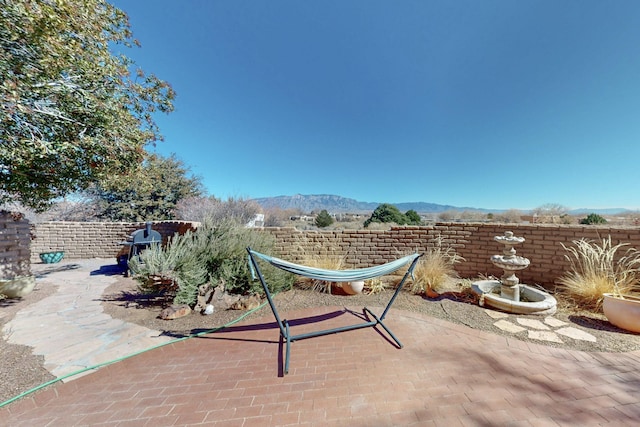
(336, 275)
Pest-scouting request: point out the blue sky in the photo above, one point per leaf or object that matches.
(492, 104)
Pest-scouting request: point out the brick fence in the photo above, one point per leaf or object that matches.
(92, 239)
(473, 241)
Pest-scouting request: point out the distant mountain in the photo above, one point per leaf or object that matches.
(609, 211)
(338, 204)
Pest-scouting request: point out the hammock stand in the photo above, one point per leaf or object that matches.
(330, 276)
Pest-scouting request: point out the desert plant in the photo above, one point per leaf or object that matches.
(434, 268)
(175, 271)
(213, 253)
(597, 269)
(318, 251)
(223, 246)
(374, 286)
(593, 218)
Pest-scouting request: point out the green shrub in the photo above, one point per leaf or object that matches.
(593, 218)
(214, 253)
(323, 219)
(175, 271)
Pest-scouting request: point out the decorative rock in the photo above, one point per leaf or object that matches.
(508, 326)
(576, 334)
(532, 323)
(545, 336)
(175, 312)
(553, 322)
(208, 309)
(246, 303)
(205, 294)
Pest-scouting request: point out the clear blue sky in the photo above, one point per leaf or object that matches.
(492, 104)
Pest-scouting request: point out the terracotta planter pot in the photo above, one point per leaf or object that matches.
(622, 312)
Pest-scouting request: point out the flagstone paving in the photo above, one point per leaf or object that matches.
(70, 328)
(547, 329)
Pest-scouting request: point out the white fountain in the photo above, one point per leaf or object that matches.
(507, 294)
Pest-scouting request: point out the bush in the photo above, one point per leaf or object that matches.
(434, 269)
(593, 218)
(175, 271)
(598, 269)
(323, 219)
(386, 213)
(214, 253)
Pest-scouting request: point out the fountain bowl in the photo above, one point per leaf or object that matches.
(537, 301)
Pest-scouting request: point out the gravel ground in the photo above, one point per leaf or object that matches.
(21, 370)
(121, 301)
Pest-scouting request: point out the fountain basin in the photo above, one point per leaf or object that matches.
(536, 300)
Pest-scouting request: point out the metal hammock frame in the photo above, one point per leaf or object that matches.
(331, 276)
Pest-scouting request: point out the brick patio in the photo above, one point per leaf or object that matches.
(446, 375)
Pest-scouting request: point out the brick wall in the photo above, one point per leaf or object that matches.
(362, 248)
(92, 239)
(474, 242)
(14, 246)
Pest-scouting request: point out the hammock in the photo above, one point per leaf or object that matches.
(336, 275)
(330, 276)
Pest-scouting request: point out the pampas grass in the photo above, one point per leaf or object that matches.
(597, 269)
(434, 269)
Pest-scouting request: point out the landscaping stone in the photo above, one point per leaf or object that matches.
(554, 323)
(576, 334)
(175, 312)
(545, 336)
(533, 323)
(505, 325)
(496, 314)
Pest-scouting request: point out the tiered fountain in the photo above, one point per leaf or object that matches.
(507, 294)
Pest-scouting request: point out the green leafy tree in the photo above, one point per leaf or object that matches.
(386, 213)
(149, 192)
(593, 218)
(323, 219)
(413, 218)
(72, 110)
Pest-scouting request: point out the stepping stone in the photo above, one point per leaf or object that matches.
(496, 314)
(576, 334)
(554, 323)
(545, 336)
(532, 323)
(508, 326)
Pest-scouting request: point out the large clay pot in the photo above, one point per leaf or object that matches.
(622, 312)
(352, 288)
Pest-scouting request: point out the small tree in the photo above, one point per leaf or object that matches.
(593, 218)
(323, 219)
(413, 218)
(150, 192)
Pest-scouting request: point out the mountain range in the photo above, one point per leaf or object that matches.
(338, 204)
